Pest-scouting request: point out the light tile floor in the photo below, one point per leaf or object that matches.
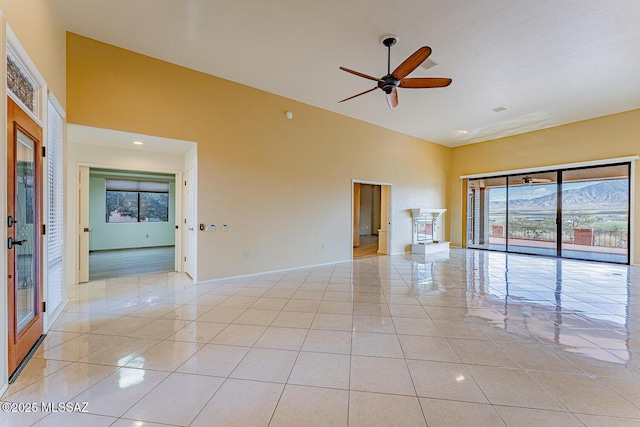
(478, 338)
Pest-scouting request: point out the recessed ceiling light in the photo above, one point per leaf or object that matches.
(463, 132)
(138, 143)
(498, 109)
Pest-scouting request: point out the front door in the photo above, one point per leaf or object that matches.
(24, 243)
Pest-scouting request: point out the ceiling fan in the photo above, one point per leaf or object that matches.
(527, 180)
(397, 78)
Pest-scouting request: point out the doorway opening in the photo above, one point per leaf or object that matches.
(131, 223)
(370, 225)
(128, 222)
(137, 174)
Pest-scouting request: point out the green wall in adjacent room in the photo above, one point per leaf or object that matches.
(106, 236)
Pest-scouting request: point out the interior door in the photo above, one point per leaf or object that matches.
(356, 214)
(189, 223)
(385, 222)
(24, 242)
(83, 224)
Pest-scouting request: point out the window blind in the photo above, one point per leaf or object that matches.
(137, 186)
(55, 223)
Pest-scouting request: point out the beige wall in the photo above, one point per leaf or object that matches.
(254, 165)
(602, 138)
(39, 29)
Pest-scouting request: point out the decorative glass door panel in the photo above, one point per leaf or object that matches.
(25, 233)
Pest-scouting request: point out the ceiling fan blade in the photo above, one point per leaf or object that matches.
(354, 96)
(392, 98)
(411, 63)
(425, 82)
(375, 79)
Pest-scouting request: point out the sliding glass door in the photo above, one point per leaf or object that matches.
(580, 213)
(595, 213)
(532, 213)
(487, 203)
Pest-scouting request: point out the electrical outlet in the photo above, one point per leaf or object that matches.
(246, 254)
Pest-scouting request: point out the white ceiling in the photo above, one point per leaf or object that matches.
(548, 62)
(77, 134)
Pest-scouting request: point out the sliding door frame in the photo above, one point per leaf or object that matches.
(559, 171)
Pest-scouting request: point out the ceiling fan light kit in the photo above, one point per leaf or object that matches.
(398, 78)
(527, 180)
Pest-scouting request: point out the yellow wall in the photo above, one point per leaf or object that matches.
(606, 137)
(282, 186)
(41, 31)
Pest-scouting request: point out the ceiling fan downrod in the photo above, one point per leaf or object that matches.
(389, 40)
(388, 83)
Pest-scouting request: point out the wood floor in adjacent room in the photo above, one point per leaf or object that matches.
(128, 262)
(368, 246)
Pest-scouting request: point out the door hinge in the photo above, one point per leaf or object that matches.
(185, 220)
(185, 183)
(44, 151)
(44, 306)
(44, 229)
(185, 258)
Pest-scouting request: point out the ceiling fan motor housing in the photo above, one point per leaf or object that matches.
(388, 83)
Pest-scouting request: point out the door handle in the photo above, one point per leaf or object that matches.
(11, 243)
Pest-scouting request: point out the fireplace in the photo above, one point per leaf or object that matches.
(425, 231)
